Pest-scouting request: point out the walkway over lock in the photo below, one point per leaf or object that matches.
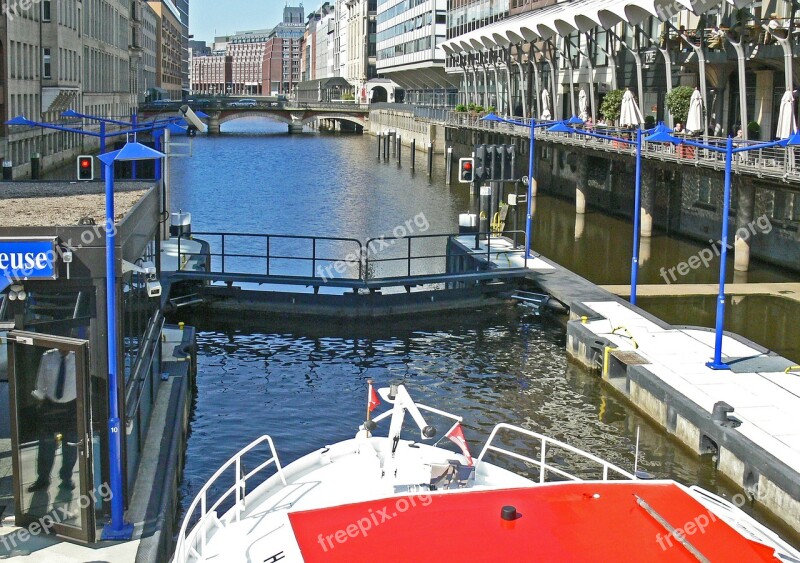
(448, 260)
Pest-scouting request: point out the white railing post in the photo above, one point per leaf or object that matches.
(542, 459)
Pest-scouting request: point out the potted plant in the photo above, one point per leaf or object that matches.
(611, 106)
(753, 130)
(491, 109)
(461, 108)
(649, 122)
(677, 102)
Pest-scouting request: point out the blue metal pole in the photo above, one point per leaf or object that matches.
(134, 124)
(103, 148)
(118, 529)
(637, 217)
(531, 163)
(717, 362)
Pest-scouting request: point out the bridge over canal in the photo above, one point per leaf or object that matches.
(295, 115)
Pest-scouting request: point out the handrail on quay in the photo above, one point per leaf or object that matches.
(773, 162)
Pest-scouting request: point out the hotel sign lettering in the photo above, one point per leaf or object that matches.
(28, 259)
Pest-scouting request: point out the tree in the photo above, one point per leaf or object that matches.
(611, 106)
(678, 101)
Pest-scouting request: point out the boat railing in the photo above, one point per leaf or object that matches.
(187, 542)
(546, 444)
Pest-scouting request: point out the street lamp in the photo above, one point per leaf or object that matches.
(532, 125)
(794, 140)
(118, 529)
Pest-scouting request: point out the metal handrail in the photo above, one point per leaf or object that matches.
(541, 463)
(409, 257)
(314, 258)
(184, 548)
(775, 162)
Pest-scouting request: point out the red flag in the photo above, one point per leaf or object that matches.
(372, 399)
(456, 435)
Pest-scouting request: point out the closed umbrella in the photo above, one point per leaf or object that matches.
(694, 120)
(630, 115)
(583, 105)
(786, 120)
(545, 104)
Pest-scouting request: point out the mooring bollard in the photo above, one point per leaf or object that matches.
(399, 147)
(449, 164)
(379, 146)
(430, 160)
(386, 147)
(413, 154)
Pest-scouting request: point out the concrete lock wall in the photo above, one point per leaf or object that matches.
(409, 128)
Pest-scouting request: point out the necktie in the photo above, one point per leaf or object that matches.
(62, 378)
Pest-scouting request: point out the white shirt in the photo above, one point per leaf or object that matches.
(47, 377)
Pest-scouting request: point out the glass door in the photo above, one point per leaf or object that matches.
(50, 441)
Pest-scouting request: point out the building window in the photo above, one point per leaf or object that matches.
(46, 63)
(46, 11)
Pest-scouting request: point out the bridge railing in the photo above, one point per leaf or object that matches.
(284, 255)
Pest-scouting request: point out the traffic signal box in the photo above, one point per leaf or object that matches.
(86, 168)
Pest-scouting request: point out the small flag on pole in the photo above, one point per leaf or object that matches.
(456, 435)
(372, 399)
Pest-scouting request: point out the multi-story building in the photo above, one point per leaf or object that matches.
(360, 18)
(247, 50)
(324, 42)
(284, 47)
(143, 49)
(340, 38)
(212, 73)
(409, 35)
(183, 10)
(169, 73)
(308, 50)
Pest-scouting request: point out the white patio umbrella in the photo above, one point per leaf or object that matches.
(786, 120)
(545, 104)
(694, 121)
(583, 105)
(630, 115)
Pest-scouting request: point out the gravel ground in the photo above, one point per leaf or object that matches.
(45, 204)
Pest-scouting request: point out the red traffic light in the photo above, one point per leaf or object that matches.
(86, 168)
(467, 165)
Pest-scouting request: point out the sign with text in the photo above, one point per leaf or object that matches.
(28, 259)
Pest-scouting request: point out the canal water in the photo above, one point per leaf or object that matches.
(305, 383)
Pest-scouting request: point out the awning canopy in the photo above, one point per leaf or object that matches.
(564, 18)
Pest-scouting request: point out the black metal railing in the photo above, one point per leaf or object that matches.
(333, 260)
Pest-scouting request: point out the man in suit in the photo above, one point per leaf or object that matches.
(57, 414)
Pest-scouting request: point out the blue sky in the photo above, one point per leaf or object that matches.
(208, 18)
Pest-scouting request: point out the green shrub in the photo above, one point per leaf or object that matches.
(470, 107)
(753, 130)
(348, 97)
(478, 109)
(677, 102)
(491, 109)
(612, 103)
(461, 108)
(649, 122)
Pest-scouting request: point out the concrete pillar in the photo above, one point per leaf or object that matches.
(581, 185)
(745, 209)
(763, 115)
(648, 200)
(296, 127)
(213, 124)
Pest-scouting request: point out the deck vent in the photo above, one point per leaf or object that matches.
(508, 513)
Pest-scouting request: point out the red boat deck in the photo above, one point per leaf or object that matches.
(559, 522)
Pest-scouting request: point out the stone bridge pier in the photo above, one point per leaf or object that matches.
(213, 123)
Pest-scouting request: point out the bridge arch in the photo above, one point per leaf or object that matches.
(233, 116)
(338, 117)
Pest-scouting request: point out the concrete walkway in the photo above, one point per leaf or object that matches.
(785, 290)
